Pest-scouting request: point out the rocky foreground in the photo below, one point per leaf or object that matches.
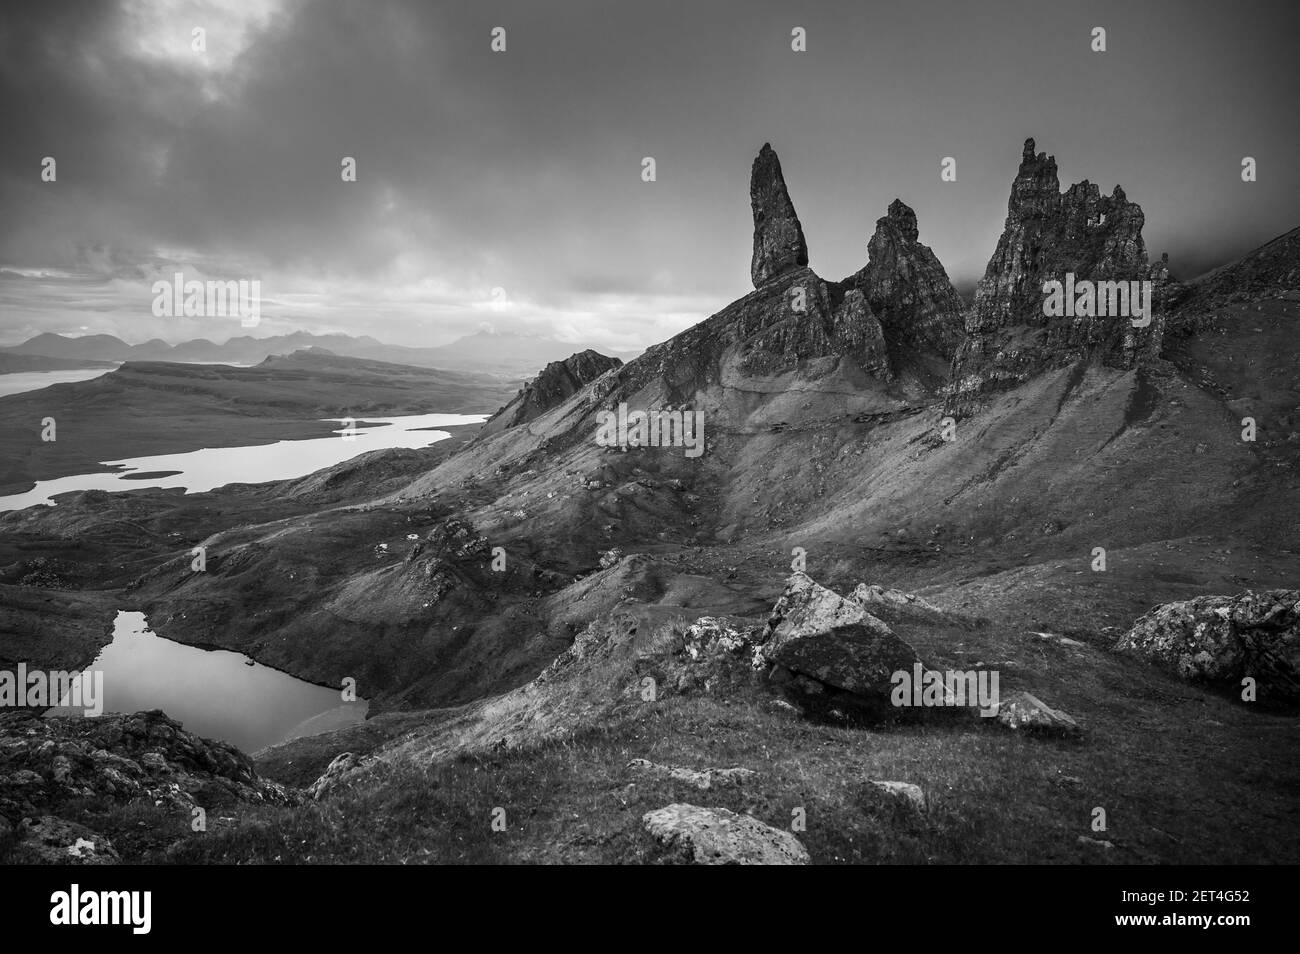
(820, 660)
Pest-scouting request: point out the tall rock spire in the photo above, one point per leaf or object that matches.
(778, 237)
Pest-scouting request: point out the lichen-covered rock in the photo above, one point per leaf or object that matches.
(1223, 639)
(1047, 235)
(818, 633)
(779, 244)
(1025, 712)
(716, 836)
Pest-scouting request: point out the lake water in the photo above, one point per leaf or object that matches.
(207, 469)
(21, 381)
(216, 694)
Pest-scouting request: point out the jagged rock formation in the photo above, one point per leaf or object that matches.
(779, 244)
(908, 290)
(1047, 235)
(1223, 639)
(557, 382)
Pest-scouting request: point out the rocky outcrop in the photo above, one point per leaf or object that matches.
(558, 382)
(716, 836)
(342, 769)
(820, 635)
(1223, 639)
(908, 291)
(779, 244)
(49, 840)
(1048, 234)
(45, 763)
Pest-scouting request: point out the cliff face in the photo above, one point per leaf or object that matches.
(1047, 235)
(556, 383)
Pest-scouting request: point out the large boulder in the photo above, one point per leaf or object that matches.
(1223, 639)
(818, 633)
(716, 836)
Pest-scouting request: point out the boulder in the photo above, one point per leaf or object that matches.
(716, 836)
(906, 791)
(335, 773)
(817, 633)
(1022, 711)
(1223, 639)
(702, 779)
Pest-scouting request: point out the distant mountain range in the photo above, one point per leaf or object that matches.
(504, 353)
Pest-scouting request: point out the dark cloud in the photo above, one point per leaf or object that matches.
(521, 171)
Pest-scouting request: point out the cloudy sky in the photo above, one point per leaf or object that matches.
(521, 170)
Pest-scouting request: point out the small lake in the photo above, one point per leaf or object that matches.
(216, 694)
(20, 382)
(202, 470)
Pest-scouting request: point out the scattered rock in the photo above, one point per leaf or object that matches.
(716, 836)
(1021, 710)
(703, 780)
(904, 790)
(1053, 637)
(1222, 639)
(1094, 843)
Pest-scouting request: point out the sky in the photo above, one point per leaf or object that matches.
(504, 190)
